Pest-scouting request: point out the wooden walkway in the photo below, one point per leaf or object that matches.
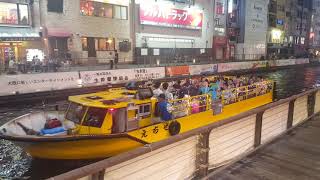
(295, 156)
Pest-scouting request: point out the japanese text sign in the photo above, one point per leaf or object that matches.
(169, 17)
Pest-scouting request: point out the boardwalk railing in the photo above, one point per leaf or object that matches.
(195, 153)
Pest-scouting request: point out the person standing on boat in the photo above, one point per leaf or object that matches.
(204, 89)
(166, 91)
(163, 108)
(157, 91)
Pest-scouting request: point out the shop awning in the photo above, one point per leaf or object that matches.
(18, 34)
(57, 32)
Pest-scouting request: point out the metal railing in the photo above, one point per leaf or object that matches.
(234, 95)
(90, 65)
(199, 151)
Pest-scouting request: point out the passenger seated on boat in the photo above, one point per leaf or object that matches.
(163, 108)
(194, 106)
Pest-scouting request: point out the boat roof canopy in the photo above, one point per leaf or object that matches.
(113, 98)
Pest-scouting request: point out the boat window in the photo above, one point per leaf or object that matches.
(94, 117)
(144, 110)
(119, 118)
(76, 112)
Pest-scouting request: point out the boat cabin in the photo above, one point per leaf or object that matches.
(113, 111)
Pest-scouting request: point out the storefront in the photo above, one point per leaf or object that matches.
(19, 44)
(220, 48)
(19, 41)
(58, 40)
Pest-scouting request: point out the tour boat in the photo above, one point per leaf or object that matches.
(107, 123)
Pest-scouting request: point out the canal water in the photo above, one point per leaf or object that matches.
(14, 163)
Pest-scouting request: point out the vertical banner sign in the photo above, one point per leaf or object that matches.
(164, 15)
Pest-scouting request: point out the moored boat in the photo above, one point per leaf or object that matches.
(107, 123)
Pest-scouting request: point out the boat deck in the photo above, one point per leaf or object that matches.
(296, 155)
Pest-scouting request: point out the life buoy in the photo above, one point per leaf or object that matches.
(174, 128)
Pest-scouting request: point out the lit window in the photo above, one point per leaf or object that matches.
(11, 14)
(101, 44)
(219, 8)
(99, 9)
(117, 12)
(302, 40)
(84, 42)
(124, 12)
(23, 14)
(8, 13)
(55, 6)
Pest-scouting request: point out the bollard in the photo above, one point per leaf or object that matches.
(216, 107)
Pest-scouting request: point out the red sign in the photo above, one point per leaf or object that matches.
(220, 40)
(177, 70)
(163, 16)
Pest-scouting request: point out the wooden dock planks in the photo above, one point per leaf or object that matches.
(296, 156)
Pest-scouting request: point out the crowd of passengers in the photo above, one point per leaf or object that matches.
(168, 92)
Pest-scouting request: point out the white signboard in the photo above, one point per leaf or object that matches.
(256, 24)
(302, 61)
(29, 83)
(117, 2)
(90, 78)
(224, 67)
(203, 69)
(33, 53)
(285, 62)
(156, 52)
(144, 52)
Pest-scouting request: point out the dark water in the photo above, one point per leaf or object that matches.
(15, 163)
(293, 81)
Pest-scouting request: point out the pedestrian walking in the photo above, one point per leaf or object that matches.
(116, 58)
(111, 60)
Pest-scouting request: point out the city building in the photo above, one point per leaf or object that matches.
(172, 30)
(277, 29)
(220, 46)
(20, 36)
(252, 27)
(89, 30)
(314, 36)
(298, 14)
(232, 26)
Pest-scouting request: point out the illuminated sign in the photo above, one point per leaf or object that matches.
(276, 35)
(118, 2)
(280, 22)
(166, 16)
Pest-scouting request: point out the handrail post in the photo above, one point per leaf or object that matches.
(98, 176)
(202, 157)
(290, 114)
(258, 129)
(274, 94)
(311, 103)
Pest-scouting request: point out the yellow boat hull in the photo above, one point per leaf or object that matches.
(80, 149)
(107, 146)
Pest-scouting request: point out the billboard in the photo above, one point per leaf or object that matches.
(104, 77)
(31, 83)
(164, 15)
(177, 71)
